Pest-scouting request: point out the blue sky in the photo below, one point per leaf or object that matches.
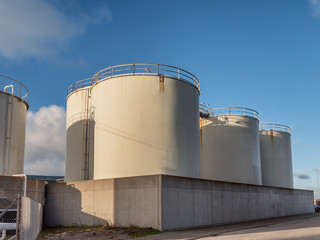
(263, 55)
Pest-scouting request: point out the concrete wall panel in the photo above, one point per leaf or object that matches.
(11, 186)
(30, 220)
(121, 202)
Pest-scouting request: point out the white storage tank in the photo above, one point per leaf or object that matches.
(146, 121)
(276, 158)
(13, 108)
(79, 133)
(230, 148)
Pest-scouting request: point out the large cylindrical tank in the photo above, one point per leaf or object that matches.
(230, 148)
(13, 109)
(146, 121)
(276, 158)
(79, 133)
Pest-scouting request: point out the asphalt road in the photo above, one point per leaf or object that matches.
(306, 229)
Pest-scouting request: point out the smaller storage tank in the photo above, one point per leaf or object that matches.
(276, 158)
(230, 148)
(13, 111)
(79, 132)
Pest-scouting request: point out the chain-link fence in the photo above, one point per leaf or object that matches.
(9, 215)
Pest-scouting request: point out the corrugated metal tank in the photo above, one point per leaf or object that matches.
(146, 121)
(13, 108)
(79, 133)
(276, 158)
(230, 148)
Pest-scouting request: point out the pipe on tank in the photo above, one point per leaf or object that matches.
(12, 88)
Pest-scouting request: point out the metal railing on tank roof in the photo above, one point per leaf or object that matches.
(275, 127)
(240, 111)
(137, 69)
(78, 85)
(12, 86)
(146, 69)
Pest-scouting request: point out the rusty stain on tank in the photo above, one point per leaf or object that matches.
(271, 135)
(161, 83)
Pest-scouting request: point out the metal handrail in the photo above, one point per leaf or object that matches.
(240, 111)
(275, 127)
(78, 85)
(137, 69)
(17, 89)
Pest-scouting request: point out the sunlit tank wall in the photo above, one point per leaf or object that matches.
(276, 158)
(230, 146)
(79, 136)
(146, 125)
(13, 109)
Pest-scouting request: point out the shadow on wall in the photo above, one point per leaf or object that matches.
(121, 202)
(64, 207)
(80, 143)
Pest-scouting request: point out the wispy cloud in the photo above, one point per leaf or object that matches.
(45, 141)
(315, 5)
(302, 176)
(40, 29)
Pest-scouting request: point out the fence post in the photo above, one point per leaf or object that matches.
(18, 220)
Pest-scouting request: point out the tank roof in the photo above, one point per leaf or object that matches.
(11, 86)
(133, 69)
(275, 127)
(205, 110)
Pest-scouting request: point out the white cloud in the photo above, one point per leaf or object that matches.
(45, 141)
(315, 4)
(38, 28)
(302, 176)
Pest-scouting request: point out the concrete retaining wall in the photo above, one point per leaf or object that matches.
(166, 202)
(31, 219)
(11, 186)
(190, 203)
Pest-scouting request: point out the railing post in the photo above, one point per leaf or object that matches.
(157, 69)
(111, 71)
(134, 68)
(179, 73)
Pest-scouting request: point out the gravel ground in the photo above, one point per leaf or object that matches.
(97, 233)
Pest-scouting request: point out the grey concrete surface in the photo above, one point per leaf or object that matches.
(305, 229)
(167, 202)
(120, 202)
(238, 230)
(188, 202)
(30, 220)
(11, 186)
